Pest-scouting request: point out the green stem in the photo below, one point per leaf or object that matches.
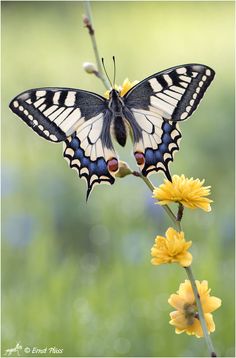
(200, 312)
(165, 207)
(177, 222)
(90, 27)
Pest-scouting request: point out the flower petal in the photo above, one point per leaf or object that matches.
(178, 320)
(176, 301)
(211, 304)
(185, 260)
(185, 290)
(209, 322)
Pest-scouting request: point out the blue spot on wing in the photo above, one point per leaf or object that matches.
(74, 144)
(166, 138)
(149, 155)
(163, 148)
(85, 162)
(101, 166)
(158, 156)
(167, 128)
(78, 153)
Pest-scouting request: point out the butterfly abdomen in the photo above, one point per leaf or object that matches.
(120, 131)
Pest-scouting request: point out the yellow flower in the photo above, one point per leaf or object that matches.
(172, 248)
(122, 89)
(126, 86)
(185, 319)
(189, 192)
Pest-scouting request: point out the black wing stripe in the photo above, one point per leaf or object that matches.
(62, 98)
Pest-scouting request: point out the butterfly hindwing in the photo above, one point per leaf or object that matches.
(90, 151)
(155, 140)
(157, 158)
(55, 113)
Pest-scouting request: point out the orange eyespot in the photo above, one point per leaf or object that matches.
(139, 158)
(112, 165)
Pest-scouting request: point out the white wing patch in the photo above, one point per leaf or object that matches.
(151, 126)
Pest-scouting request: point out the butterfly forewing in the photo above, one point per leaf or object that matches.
(55, 113)
(174, 93)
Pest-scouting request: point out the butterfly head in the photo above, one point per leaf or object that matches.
(115, 102)
(114, 94)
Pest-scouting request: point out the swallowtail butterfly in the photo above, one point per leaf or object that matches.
(85, 121)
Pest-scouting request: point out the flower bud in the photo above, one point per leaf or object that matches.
(123, 170)
(86, 20)
(89, 67)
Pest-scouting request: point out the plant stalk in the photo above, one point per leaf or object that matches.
(200, 312)
(165, 207)
(89, 25)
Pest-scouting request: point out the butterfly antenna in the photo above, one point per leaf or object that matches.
(114, 78)
(106, 71)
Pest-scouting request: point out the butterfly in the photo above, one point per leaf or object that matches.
(86, 122)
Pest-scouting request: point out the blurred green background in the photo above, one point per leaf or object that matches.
(77, 276)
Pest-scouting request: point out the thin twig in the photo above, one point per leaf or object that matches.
(165, 207)
(87, 20)
(200, 312)
(180, 212)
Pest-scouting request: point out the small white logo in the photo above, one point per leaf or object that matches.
(16, 349)
(33, 350)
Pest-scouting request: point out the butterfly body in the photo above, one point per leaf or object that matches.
(85, 121)
(119, 124)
